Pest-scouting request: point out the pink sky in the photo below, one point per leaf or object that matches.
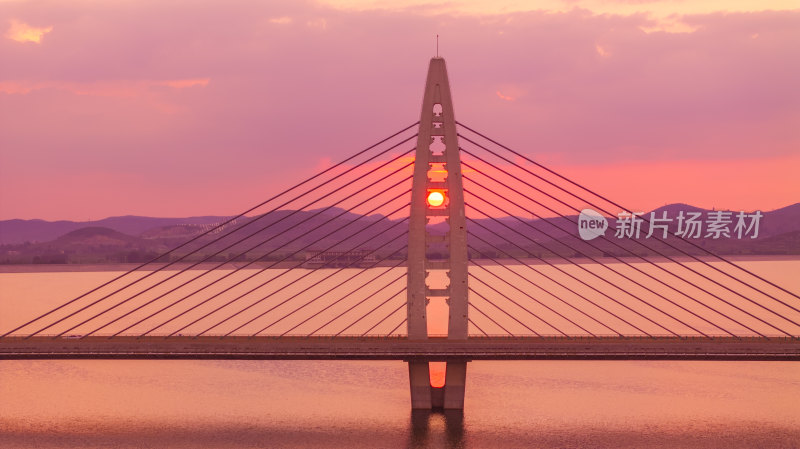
(186, 108)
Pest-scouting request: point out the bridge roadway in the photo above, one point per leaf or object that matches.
(400, 348)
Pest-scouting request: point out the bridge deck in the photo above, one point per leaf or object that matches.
(400, 348)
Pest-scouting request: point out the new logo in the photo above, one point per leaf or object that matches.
(591, 224)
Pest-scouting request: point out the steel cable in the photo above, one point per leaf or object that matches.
(477, 278)
(272, 279)
(615, 244)
(593, 260)
(625, 209)
(370, 311)
(238, 269)
(540, 273)
(349, 309)
(571, 276)
(263, 203)
(631, 252)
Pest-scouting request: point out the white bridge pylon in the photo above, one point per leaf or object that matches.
(437, 193)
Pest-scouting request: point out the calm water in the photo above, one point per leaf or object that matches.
(181, 404)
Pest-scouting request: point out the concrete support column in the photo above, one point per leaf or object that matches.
(454, 385)
(420, 380)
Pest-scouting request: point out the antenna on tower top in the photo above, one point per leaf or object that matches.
(437, 45)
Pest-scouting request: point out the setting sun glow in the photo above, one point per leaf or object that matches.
(435, 198)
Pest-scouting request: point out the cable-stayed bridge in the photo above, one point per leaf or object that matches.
(435, 244)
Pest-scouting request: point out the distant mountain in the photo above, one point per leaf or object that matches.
(21, 231)
(781, 221)
(279, 234)
(95, 236)
(290, 234)
(86, 245)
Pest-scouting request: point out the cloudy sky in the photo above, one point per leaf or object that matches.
(179, 108)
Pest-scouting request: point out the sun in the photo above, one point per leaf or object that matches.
(435, 198)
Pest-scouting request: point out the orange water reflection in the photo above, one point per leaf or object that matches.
(438, 371)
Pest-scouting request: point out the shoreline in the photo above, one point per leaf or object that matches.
(124, 267)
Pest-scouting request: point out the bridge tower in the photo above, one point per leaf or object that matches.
(437, 193)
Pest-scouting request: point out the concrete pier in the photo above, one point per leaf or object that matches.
(420, 383)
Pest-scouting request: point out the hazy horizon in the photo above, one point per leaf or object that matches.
(320, 208)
